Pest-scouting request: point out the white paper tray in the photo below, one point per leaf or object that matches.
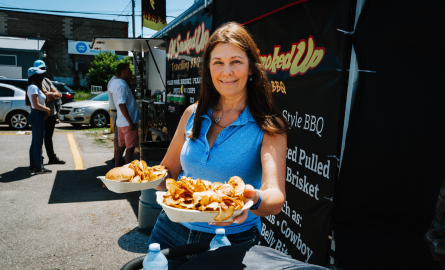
(183, 215)
(124, 187)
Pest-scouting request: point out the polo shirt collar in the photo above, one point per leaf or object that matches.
(244, 117)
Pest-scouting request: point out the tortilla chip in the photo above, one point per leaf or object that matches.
(225, 214)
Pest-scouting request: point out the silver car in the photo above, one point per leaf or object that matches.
(94, 112)
(13, 109)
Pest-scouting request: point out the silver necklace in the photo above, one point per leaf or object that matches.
(218, 119)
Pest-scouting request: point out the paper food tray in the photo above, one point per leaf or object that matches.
(124, 187)
(183, 215)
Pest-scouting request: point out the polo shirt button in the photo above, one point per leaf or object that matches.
(215, 145)
(207, 152)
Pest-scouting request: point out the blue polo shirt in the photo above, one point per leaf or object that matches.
(236, 152)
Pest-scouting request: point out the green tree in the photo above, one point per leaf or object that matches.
(104, 67)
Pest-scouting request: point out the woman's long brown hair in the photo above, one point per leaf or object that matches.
(31, 80)
(259, 93)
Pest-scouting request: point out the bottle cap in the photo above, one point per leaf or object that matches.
(220, 231)
(154, 247)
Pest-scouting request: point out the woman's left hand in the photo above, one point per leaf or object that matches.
(249, 193)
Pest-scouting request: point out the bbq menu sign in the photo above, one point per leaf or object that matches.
(302, 65)
(184, 55)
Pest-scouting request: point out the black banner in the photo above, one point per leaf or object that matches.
(184, 59)
(154, 14)
(392, 168)
(302, 52)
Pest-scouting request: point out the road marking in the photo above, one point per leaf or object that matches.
(78, 163)
(30, 133)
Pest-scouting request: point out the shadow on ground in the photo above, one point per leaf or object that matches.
(19, 173)
(84, 186)
(134, 241)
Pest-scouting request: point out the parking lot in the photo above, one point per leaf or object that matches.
(65, 219)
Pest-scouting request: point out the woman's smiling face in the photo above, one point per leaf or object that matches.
(229, 68)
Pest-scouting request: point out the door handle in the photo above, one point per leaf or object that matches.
(6, 101)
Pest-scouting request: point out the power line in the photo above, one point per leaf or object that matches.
(6, 4)
(61, 11)
(124, 10)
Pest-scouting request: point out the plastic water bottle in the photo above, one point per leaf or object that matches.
(220, 239)
(155, 260)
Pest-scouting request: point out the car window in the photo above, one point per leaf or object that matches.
(101, 97)
(6, 92)
(19, 84)
(67, 89)
(59, 87)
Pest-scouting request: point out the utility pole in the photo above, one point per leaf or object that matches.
(134, 26)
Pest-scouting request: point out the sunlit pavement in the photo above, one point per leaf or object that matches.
(65, 219)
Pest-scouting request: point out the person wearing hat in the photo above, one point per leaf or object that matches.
(35, 98)
(52, 95)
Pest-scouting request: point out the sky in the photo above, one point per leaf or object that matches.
(123, 7)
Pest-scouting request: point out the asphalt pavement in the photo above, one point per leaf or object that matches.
(64, 220)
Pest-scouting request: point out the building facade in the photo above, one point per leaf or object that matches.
(60, 33)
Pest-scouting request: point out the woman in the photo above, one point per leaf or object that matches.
(35, 98)
(234, 130)
(52, 95)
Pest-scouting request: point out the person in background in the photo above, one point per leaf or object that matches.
(35, 98)
(113, 116)
(127, 113)
(52, 95)
(435, 237)
(234, 130)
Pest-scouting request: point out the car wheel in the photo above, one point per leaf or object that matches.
(99, 120)
(18, 120)
(76, 125)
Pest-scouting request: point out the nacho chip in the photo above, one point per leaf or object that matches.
(199, 186)
(136, 179)
(204, 195)
(225, 214)
(238, 184)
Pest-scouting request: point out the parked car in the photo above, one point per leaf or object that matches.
(94, 112)
(13, 109)
(64, 90)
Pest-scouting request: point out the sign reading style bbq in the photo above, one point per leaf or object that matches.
(302, 63)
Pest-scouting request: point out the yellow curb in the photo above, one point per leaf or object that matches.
(78, 163)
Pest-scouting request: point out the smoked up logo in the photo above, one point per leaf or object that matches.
(293, 60)
(196, 42)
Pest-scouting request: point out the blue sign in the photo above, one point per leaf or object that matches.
(81, 47)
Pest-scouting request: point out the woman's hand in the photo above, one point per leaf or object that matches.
(48, 111)
(249, 193)
(49, 96)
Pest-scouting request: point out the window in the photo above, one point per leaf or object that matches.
(22, 84)
(101, 97)
(8, 60)
(6, 92)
